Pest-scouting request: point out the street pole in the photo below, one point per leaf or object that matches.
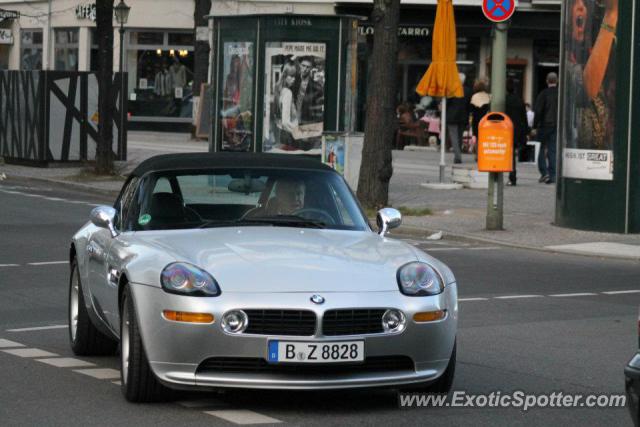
(498, 95)
(123, 114)
(443, 138)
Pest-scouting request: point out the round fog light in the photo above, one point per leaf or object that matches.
(393, 321)
(235, 321)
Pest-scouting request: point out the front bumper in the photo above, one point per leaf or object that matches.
(175, 350)
(632, 387)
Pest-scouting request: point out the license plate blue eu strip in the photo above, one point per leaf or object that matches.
(273, 351)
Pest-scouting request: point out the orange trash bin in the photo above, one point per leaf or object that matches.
(495, 143)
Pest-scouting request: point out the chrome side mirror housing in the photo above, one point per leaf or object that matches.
(104, 217)
(387, 219)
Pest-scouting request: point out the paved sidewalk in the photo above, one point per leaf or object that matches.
(528, 207)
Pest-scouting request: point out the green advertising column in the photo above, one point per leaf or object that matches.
(597, 161)
(281, 81)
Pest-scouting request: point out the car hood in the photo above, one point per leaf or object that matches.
(282, 259)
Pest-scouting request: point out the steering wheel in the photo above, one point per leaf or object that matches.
(315, 214)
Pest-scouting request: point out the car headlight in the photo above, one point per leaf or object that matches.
(186, 279)
(419, 279)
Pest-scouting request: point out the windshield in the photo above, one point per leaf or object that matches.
(245, 197)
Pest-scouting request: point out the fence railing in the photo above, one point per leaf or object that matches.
(52, 116)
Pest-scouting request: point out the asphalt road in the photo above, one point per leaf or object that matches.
(520, 329)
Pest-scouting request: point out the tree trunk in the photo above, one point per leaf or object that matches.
(104, 33)
(376, 168)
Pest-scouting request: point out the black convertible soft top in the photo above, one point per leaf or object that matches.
(183, 161)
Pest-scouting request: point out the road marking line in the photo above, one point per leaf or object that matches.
(634, 291)
(30, 352)
(203, 403)
(38, 328)
(442, 249)
(519, 296)
(6, 343)
(40, 196)
(9, 265)
(243, 417)
(66, 362)
(116, 382)
(583, 294)
(484, 248)
(472, 299)
(47, 263)
(100, 373)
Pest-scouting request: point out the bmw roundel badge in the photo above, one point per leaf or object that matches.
(317, 299)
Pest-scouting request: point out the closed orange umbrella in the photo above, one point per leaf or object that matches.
(441, 79)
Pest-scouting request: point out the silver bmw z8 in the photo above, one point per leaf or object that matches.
(256, 271)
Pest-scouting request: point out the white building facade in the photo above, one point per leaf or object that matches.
(158, 46)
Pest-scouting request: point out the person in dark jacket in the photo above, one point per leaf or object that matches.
(458, 119)
(517, 112)
(545, 122)
(480, 103)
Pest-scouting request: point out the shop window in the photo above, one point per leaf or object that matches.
(66, 49)
(160, 76)
(31, 50)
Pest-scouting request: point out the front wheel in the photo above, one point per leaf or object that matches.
(85, 338)
(139, 384)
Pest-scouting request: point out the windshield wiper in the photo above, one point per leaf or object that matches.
(287, 221)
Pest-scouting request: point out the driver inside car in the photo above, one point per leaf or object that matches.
(288, 198)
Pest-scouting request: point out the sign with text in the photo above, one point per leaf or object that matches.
(86, 11)
(587, 164)
(498, 10)
(495, 143)
(9, 14)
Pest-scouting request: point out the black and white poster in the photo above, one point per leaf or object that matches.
(294, 97)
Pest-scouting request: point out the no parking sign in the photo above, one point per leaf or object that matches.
(498, 10)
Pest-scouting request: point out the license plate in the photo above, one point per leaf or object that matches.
(316, 352)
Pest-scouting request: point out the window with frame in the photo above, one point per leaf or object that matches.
(31, 49)
(66, 49)
(160, 66)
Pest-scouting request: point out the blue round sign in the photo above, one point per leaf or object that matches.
(498, 10)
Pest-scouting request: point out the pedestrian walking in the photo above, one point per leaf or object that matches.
(480, 103)
(517, 112)
(545, 122)
(458, 119)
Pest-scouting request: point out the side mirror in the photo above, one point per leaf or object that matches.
(104, 217)
(387, 219)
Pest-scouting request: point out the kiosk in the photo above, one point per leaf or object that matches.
(280, 81)
(598, 161)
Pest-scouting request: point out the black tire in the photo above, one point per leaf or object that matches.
(139, 383)
(443, 384)
(88, 340)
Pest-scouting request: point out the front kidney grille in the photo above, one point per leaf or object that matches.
(281, 322)
(352, 322)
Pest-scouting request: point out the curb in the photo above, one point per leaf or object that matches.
(463, 237)
(69, 184)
